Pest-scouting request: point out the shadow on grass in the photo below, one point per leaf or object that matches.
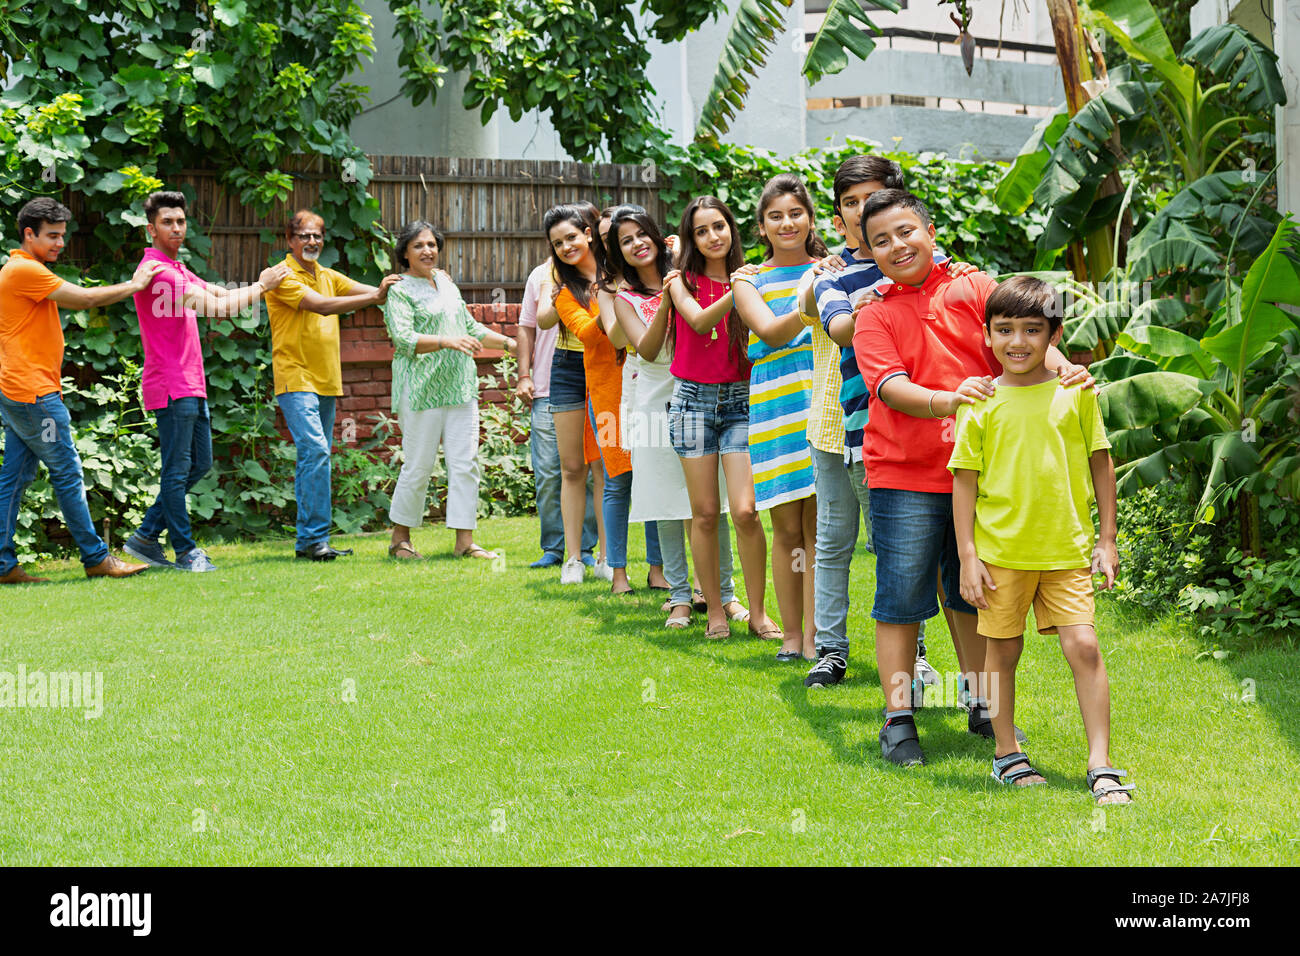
(839, 716)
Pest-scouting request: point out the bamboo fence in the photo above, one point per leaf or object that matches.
(489, 210)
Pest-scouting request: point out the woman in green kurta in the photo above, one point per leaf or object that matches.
(435, 390)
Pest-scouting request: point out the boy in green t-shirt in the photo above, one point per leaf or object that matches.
(1024, 469)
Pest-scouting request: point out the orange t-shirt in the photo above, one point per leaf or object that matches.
(31, 338)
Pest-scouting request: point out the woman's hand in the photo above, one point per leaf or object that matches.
(745, 273)
(462, 343)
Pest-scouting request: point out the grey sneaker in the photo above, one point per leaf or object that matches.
(150, 552)
(196, 560)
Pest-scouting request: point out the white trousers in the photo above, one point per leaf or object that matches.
(456, 428)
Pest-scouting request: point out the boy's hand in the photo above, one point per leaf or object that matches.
(1076, 375)
(977, 388)
(831, 264)
(959, 269)
(974, 579)
(1105, 560)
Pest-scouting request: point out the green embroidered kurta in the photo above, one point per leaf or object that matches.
(432, 379)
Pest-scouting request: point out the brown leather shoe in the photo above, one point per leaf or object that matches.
(19, 576)
(114, 567)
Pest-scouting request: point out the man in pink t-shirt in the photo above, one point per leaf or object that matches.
(174, 386)
(536, 349)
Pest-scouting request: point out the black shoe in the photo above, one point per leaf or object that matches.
(828, 670)
(320, 551)
(981, 724)
(340, 553)
(899, 743)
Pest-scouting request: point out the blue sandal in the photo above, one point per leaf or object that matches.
(1003, 773)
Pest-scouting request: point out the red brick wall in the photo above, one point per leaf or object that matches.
(367, 357)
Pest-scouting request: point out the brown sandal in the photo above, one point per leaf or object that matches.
(772, 632)
(718, 632)
(402, 551)
(474, 551)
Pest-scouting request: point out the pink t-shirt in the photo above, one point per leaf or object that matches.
(544, 340)
(704, 358)
(173, 352)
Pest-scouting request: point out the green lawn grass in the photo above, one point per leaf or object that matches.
(499, 718)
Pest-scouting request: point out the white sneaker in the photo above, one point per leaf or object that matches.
(573, 571)
(603, 570)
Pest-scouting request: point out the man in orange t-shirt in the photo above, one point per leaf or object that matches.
(36, 422)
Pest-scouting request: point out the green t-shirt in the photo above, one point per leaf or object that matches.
(1031, 446)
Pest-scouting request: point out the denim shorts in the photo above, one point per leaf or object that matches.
(707, 418)
(916, 546)
(568, 382)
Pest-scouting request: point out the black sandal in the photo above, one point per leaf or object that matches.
(1109, 773)
(1003, 773)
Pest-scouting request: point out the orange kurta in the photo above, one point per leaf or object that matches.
(603, 368)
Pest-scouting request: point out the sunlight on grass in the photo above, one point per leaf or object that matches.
(365, 711)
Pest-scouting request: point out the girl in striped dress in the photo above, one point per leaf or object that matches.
(780, 399)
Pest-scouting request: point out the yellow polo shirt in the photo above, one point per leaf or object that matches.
(305, 345)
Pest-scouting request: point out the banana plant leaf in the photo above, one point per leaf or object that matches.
(1272, 278)
(1171, 349)
(1136, 27)
(1148, 398)
(839, 35)
(1227, 52)
(1015, 189)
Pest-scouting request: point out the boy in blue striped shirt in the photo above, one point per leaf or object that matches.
(837, 294)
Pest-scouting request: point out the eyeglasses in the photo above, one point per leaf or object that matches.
(309, 236)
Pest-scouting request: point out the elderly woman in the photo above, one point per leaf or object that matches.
(435, 390)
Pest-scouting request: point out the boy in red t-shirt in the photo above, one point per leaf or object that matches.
(922, 355)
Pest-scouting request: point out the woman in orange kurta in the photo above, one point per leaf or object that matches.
(603, 365)
(578, 260)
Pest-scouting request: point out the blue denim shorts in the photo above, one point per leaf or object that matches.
(568, 382)
(709, 418)
(916, 547)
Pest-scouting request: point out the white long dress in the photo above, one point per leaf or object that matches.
(658, 482)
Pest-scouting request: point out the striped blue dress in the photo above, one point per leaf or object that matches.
(780, 399)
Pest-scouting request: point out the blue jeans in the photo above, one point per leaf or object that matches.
(837, 535)
(185, 440)
(916, 545)
(310, 418)
(654, 555)
(42, 431)
(671, 535)
(546, 473)
(615, 504)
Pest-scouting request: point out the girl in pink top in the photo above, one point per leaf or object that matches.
(708, 418)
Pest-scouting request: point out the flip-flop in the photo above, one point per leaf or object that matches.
(740, 616)
(768, 634)
(474, 551)
(402, 551)
(678, 623)
(717, 632)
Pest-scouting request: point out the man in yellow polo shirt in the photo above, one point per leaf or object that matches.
(304, 314)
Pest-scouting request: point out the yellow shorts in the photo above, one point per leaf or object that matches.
(1058, 597)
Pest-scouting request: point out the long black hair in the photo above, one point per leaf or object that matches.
(617, 264)
(580, 218)
(691, 262)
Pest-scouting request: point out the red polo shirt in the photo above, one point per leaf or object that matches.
(934, 334)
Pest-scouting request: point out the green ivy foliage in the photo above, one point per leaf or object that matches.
(111, 98)
(968, 223)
